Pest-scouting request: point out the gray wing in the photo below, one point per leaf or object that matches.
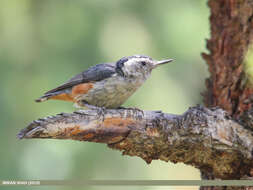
(95, 73)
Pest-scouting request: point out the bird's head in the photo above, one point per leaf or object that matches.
(138, 66)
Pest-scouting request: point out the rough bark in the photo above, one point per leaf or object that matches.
(204, 138)
(228, 87)
(231, 33)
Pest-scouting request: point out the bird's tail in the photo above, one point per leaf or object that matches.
(60, 95)
(43, 98)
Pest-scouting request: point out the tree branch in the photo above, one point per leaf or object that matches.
(205, 138)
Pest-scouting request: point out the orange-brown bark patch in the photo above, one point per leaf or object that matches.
(81, 88)
(75, 130)
(88, 136)
(117, 121)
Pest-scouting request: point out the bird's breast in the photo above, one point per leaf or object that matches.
(111, 92)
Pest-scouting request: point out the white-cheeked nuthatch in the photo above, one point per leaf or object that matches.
(106, 85)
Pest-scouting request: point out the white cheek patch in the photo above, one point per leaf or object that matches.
(130, 66)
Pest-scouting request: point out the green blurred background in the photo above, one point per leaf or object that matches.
(45, 42)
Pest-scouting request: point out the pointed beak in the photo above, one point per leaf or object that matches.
(157, 63)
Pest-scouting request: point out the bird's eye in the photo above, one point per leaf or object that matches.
(143, 63)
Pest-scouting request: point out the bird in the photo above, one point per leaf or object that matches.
(105, 85)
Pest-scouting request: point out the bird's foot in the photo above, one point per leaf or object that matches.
(134, 109)
(100, 110)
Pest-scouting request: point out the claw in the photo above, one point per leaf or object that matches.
(100, 110)
(133, 109)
